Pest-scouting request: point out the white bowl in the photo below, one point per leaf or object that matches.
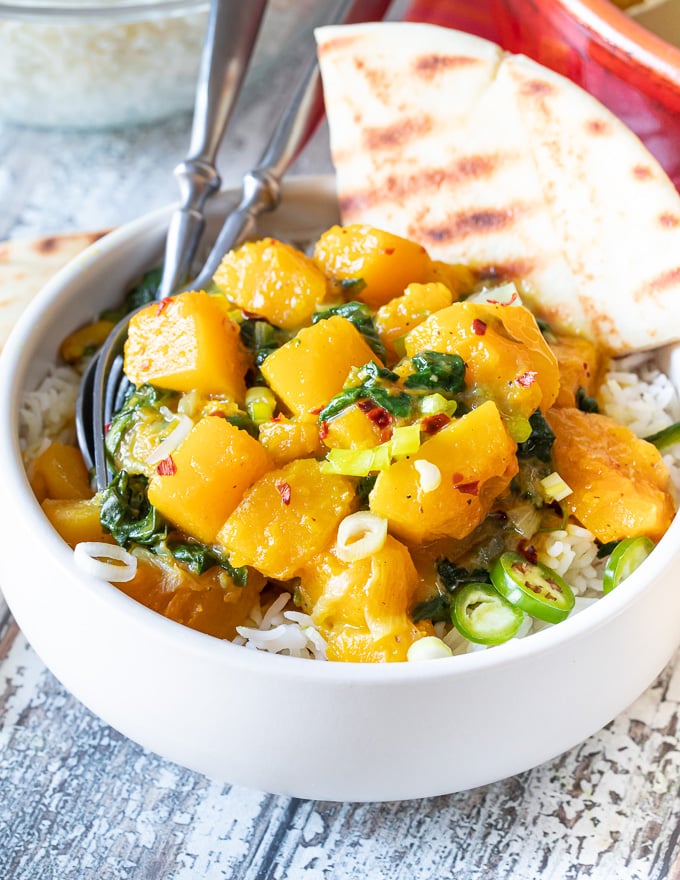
(331, 731)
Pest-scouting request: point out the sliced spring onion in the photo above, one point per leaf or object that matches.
(667, 437)
(172, 441)
(260, 404)
(360, 534)
(553, 487)
(533, 587)
(361, 462)
(433, 404)
(519, 428)
(428, 648)
(525, 519)
(483, 616)
(405, 441)
(625, 558)
(429, 475)
(106, 561)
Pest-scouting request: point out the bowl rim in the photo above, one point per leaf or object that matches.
(15, 360)
(123, 10)
(625, 37)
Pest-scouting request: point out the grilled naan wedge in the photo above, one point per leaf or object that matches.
(492, 160)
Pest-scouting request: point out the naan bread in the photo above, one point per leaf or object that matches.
(27, 264)
(490, 159)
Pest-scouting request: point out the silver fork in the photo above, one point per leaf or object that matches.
(104, 386)
(230, 36)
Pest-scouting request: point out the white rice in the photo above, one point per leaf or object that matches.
(282, 632)
(47, 414)
(644, 400)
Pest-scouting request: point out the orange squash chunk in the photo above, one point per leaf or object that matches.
(380, 263)
(198, 486)
(286, 439)
(476, 460)
(186, 343)
(507, 359)
(401, 314)
(362, 608)
(209, 602)
(578, 362)
(619, 482)
(274, 281)
(313, 366)
(59, 472)
(353, 429)
(76, 520)
(286, 517)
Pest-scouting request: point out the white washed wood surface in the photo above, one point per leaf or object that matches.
(80, 801)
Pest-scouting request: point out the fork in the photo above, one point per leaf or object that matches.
(231, 33)
(104, 391)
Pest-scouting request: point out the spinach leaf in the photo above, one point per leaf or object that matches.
(127, 513)
(437, 371)
(364, 487)
(605, 549)
(137, 398)
(539, 444)
(359, 314)
(453, 576)
(199, 558)
(436, 609)
(374, 383)
(351, 285)
(262, 338)
(585, 403)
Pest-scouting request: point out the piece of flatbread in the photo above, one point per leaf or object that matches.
(492, 160)
(28, 264)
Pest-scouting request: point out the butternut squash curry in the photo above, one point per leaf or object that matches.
(376, 433)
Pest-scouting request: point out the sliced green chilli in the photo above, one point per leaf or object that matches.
(533, 587)
(625, 558)
(482, 615)
(667, 437)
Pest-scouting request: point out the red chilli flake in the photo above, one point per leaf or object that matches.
(527, 379)
(166, 467)
(283, 488)
(465, 488)
(478, 327)
(432, 424)
(323, 430)
(163, 304)
(388, 251)
(315, 411)
(377, 414)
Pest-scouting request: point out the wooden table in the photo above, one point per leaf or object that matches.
(78, 800)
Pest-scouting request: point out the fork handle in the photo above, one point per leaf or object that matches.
(231, 33)
(261, 188)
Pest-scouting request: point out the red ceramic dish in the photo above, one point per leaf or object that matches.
(633, 72)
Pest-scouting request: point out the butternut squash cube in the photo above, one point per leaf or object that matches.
(313, 366)
(187, 343)
(286, 517)
(274, 281)
(286, 440)
(619, 482)
(476, 460)
(76, 520)
(209, 602)
(353, 429)
(507, 359)
(401, 314)
(362, 608)
(578, 363)
(380, 263)
(59, 472)
(204, 479)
